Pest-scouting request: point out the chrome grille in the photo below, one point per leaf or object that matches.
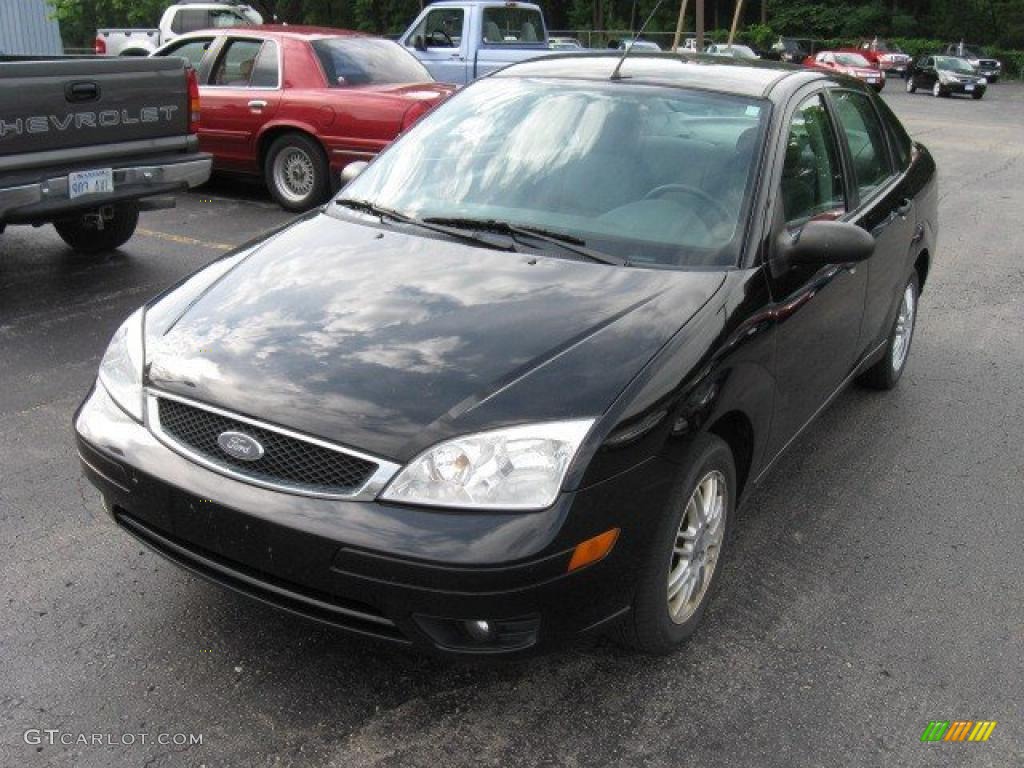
(287, 460)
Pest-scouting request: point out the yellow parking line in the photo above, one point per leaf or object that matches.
(182, 240)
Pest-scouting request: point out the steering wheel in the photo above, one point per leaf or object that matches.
(723, 213)
(447, 38)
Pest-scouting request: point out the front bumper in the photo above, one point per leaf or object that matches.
(963, 88)
(47, 199)
(383, 571)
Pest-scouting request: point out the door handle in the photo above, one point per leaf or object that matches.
(257, 104)
(905, 208)
(457, 56)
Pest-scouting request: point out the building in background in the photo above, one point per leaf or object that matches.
(26, 29)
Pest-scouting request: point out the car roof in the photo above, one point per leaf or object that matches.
(680, 70)
(293, 31)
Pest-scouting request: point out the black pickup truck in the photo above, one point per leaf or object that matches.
(88, 142)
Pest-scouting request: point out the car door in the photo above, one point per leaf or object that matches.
(926, 74)
(883, 201)
(818, 310)
(241, 94)
(444, 43)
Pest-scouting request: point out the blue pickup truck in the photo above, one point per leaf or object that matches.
(460, 40)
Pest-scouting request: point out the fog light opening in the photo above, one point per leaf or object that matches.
(479, 630)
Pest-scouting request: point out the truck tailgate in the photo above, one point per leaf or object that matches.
(66, 103)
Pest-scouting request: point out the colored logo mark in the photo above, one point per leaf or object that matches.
(958, 730)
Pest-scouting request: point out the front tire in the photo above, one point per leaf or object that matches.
(297, 172)
(84, 233)
(886, 373)
(977, 95)
(679, 575)
(937, 90)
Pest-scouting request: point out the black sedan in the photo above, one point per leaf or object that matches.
(509, 388)
(946, 75)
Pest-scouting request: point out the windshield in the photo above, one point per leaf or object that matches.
(650, 175)
(851, 60)
(953, 64)
(367, 61)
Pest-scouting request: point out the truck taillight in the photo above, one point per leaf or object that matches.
(100, 46)
(193, 100)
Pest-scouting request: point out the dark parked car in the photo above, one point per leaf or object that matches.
(944, 76)
(486, 401)
(989, 68)
(788, 50)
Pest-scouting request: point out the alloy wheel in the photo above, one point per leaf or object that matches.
(294, 174)
(697, 545)
(904, 330)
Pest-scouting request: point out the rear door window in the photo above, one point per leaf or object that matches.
(235, 66)
(865, 138)
(266, 72)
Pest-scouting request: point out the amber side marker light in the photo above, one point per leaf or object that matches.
(592, 550)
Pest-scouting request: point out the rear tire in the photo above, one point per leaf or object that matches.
(886, 373)
(296, 172)
(657, 624)
(911, 85)
(83, 234)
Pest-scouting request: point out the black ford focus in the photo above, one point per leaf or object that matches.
(510, 386)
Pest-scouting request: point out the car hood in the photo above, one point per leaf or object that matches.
(389, 342)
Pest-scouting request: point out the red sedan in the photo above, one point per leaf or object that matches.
(297, 104)
(852, 64)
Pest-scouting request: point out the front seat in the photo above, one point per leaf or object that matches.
(492, 34)
(527, 33)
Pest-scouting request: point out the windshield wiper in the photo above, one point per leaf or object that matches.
(383, 212)
(568, 242)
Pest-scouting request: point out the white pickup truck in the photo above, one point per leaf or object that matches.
(184, 16)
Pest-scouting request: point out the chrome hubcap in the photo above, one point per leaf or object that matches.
(904, 329)
(697, 546)
(294, 174)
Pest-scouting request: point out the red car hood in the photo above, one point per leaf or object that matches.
(861, 72)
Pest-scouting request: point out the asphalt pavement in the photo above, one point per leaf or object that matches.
(874, 583)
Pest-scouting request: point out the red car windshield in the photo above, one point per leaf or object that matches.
(367, 61)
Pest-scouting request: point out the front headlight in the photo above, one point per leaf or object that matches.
(519, 468)
(982, 81)
(121, 367)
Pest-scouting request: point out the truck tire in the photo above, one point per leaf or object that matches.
(296, 172)
(83, 233)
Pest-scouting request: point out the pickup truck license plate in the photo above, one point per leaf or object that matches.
(968, 87)
(96, 182)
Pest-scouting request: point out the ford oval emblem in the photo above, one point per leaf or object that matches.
(240, 446)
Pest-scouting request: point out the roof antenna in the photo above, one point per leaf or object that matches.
(625, 53)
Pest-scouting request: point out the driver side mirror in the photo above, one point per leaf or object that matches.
(350, 171)
(819, 243)
(419, 43)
